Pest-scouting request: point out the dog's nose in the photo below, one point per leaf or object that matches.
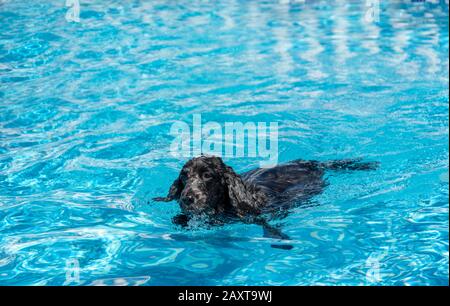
(188, 198)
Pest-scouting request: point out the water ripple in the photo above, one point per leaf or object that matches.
(85, 114)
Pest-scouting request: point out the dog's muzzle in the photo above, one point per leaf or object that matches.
(194, 202)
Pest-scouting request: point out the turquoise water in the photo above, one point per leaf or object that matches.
(85, 114)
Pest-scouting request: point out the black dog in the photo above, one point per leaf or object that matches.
(206, 186)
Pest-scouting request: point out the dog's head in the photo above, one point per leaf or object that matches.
(207, 186)
(201, 187)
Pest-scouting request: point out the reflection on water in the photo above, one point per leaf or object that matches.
(85, 112)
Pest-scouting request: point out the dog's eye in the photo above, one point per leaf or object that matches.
(207, 175)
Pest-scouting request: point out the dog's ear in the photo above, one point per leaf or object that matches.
(175, 189)
(174, 192)
(241, 199)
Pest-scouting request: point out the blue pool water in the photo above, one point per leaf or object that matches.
(86, 109)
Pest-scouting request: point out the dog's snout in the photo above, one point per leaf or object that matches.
(190, 197)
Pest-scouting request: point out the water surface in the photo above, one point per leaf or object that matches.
(86, 110)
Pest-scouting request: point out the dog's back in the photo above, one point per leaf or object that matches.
(294, 181)
(299, 180)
